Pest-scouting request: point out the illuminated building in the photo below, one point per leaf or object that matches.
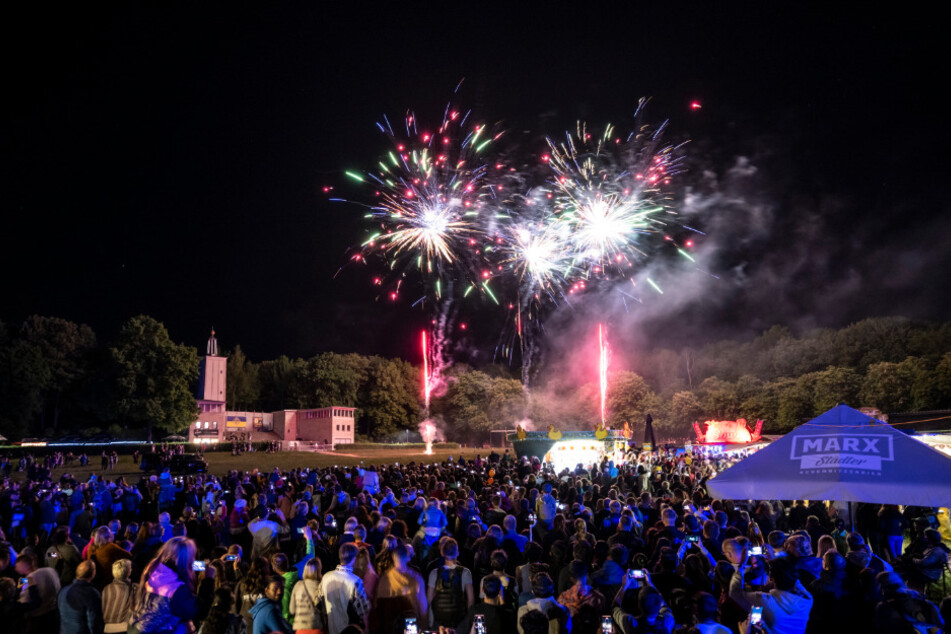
(293, 428)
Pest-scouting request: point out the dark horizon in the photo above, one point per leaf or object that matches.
(172, 163)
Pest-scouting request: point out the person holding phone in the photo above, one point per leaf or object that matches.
(170, 596)
(39, 587)
(282, 568)
(491, 611)
(785, 608)
(639, 606)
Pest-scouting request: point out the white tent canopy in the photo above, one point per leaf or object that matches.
(842, 455)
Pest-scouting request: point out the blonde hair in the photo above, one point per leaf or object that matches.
(100, 537)
(122, 569)
(103, 535)
(312, 570)
(826, 544)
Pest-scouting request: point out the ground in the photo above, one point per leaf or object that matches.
(220, 462)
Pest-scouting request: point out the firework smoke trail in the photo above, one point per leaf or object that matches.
(433, 343)
(427, 429)
(603, 370)
(427, 387)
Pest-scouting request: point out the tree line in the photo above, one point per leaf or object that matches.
(893, 364)
(56, 377)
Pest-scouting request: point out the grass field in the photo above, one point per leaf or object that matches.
(222, 461)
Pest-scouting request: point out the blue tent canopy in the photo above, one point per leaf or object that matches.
(842, 455)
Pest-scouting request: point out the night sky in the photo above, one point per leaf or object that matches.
(171, 162)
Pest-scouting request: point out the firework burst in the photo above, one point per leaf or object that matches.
(610, 191)
(431, 190)
(590, 215)
(538, 255)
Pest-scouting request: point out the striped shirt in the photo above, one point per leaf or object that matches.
(117, 605)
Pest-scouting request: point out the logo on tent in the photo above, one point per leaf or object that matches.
(842, 452)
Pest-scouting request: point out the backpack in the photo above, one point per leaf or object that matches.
(449, 600)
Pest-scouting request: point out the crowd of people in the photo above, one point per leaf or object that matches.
(241, 443)
(476, 546)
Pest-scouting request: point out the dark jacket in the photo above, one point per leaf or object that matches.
(80, 609)
(830, 605)
(497, 618)
(267, 617)
(63, 559)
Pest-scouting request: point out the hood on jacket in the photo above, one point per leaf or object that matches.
(163, 581)
(263, 604)
(542, 605)
(797, 600)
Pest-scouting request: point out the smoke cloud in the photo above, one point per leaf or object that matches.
(771, 254)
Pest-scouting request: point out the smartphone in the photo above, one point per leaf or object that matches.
(693, 539)
(561, 507)
(607, 625)
(300, 530)
(756, 551)
(532, 519)
(231, 558)
(756, 616)
(198, 566)
(478, 623)
(635, 573)
(410, 626)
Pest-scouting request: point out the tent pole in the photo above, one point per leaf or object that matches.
(851, 518)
